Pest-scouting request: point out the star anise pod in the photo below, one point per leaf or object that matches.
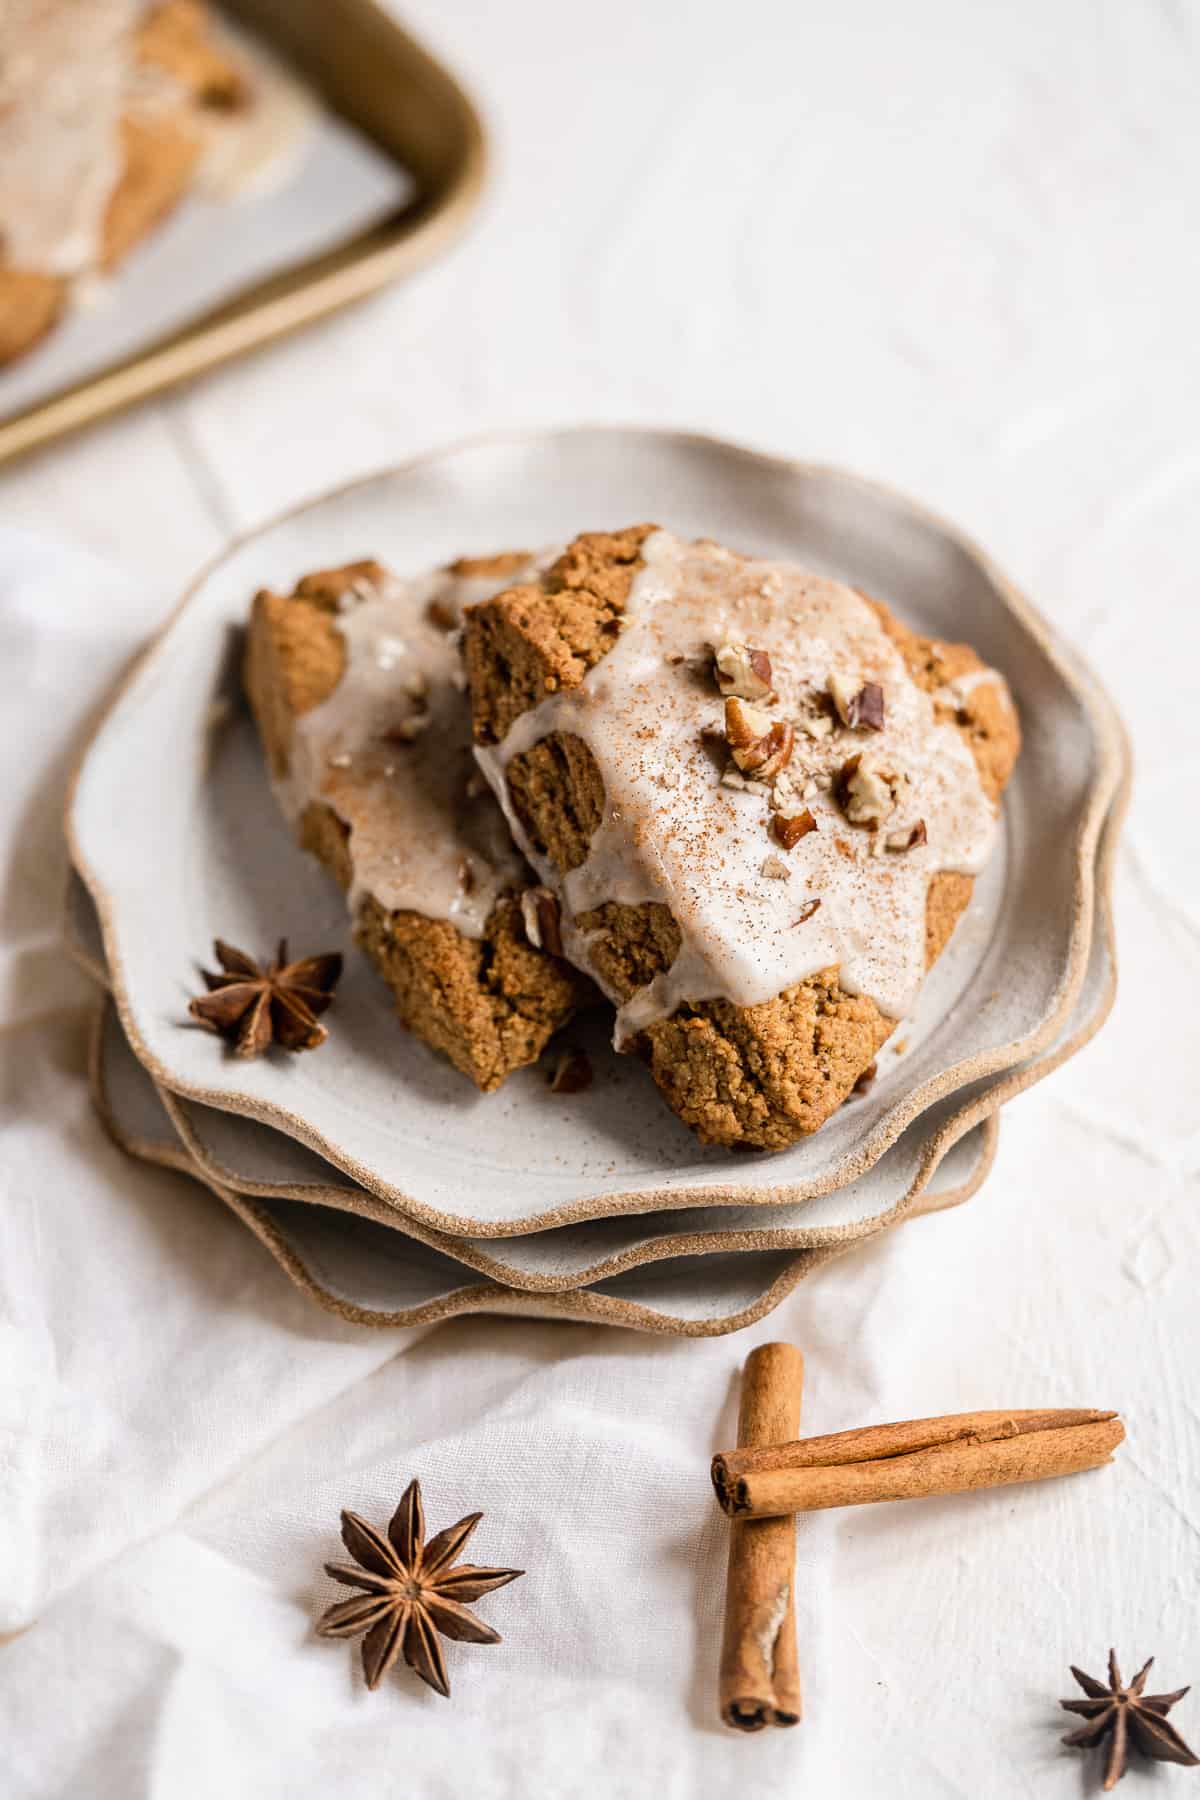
(254, 1005)
(1128, 1714)
(413, 1589)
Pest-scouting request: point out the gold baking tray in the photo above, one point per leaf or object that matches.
(367, 68)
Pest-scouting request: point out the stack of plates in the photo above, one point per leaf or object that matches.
(381, 1182)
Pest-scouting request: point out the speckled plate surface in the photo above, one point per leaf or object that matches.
(201, 850)
(375, 1273)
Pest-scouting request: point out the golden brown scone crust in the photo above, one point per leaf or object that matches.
(29, 306)
(759, 1076)
(159, 154)
(159, 157)
(532, 640)
(490, 1004)
(176, 37)
(988, 725)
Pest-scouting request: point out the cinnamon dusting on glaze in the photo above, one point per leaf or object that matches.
(676, 832)
(389, 751)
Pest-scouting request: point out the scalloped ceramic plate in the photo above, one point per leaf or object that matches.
(374, 1273)
(201, 851)
(238, 1154)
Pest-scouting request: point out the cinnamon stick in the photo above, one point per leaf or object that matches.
(913, 1459)
(759, 1681)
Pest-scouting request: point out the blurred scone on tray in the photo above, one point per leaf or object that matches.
(108, 111)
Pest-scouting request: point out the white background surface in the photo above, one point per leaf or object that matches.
(951, 246)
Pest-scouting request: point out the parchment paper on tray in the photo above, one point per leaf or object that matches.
(306, 181)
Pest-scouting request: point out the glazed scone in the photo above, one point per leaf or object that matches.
(103, 114)
(355, 682)
(759, 799)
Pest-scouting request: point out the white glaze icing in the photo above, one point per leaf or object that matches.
(425, 833)
(674, 832)
(255, 150)
(956, 691)
(63, 83)
(68, 74)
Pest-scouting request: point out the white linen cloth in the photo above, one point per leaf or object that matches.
(943, 244)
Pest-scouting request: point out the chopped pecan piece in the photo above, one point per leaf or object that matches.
(743, 672)
(441, 615)
(761, 745)
(539, 909)
(868, 790)
(572, 1073)
(783, 791)
(908, 839)
(859, 703)
(788, 829)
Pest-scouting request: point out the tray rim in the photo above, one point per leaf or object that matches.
(312, 288)
(579, 1305)
(1089, 877)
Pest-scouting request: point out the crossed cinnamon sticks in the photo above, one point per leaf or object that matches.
(766, 1480)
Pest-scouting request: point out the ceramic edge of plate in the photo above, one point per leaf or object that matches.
(190, 1158)
(579, 1305)
(655, 1249)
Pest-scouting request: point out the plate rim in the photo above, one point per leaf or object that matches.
(1111, 758)
(579, 1305)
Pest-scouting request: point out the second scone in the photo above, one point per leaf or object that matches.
(759, 799)
(354, 679)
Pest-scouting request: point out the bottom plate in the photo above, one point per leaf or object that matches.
(377, 1274)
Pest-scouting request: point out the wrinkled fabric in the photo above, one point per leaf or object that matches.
(942, 244)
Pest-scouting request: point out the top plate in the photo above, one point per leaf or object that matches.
(176, 834)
